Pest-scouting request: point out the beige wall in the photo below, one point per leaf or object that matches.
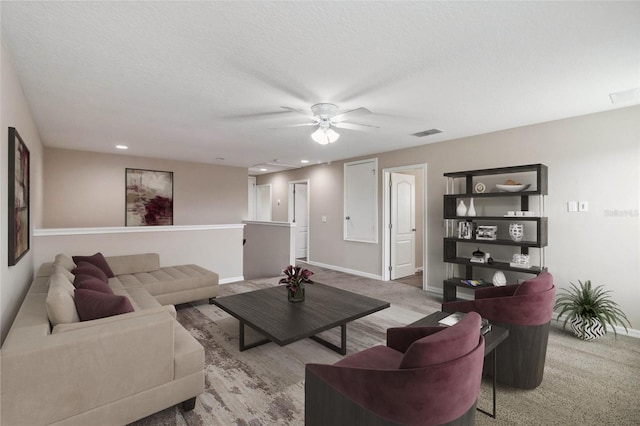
(593, 158)
(215, 247)
(86, 189)
(269, 248)
(15, 112)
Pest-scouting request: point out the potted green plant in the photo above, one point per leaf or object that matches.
(590, 310)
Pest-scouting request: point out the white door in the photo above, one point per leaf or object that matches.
(263, 203)
(300, 218)
(403, 238)
(252, 198)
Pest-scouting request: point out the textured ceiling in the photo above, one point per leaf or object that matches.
(201, 80)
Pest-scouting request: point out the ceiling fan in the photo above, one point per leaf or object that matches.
(326, 116)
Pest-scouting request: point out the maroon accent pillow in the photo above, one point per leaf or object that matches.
(88, 282)
(98, 260)
(94, 304)
(85, 268)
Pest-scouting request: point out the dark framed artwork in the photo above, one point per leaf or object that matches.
(149, 198)
(19, 226)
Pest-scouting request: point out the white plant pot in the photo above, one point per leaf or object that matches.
(592, 327)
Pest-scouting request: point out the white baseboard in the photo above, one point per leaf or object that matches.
(631, 332)
(346, 270)
(231, 280)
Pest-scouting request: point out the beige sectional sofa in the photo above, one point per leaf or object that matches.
(56, 369)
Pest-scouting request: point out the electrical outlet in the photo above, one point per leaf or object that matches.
(572, 206)
(583, 206)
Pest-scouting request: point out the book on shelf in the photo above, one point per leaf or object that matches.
(451, 319)
(474, 283)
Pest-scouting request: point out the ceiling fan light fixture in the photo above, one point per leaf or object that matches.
(325, 136)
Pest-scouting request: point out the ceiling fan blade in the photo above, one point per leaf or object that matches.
(299, 111)
(353, 126)
(344, 115)
(296, 125)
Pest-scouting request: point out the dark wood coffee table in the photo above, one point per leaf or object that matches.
(492, 339)
(270, 313)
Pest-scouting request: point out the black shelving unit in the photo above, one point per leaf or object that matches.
(538, 176)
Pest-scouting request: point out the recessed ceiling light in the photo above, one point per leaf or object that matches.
(304, 161)
(122, 147)
(263, 169)
(626, 96)
(220, 158)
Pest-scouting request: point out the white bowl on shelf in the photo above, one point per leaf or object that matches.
(512, 188)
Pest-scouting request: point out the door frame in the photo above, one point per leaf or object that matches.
(386, 219)
(290, 210)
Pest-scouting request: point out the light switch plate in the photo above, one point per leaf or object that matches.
(324, 219)
(583, 206)
(572, 206)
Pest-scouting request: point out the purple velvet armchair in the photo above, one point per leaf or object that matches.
(525, 310)
(424, 376)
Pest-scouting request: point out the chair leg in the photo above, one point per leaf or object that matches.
(189, 404)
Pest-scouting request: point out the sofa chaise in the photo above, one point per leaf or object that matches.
(111, 370)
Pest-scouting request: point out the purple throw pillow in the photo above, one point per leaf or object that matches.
(94, 304)
(98, 260)
(85, 268)
(88, 282)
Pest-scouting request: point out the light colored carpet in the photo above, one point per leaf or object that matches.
(585, 383)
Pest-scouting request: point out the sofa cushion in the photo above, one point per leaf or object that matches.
(98, 260)
(94, 304)
(134, 263)
(85, 268)
(446, 345)
(139, 298)
(171, 279)
(88, 282)
(64, 261)
(538, 284)
(64, 271)
(59, 302)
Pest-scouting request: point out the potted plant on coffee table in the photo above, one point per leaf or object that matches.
(590, 310)
(295, 279)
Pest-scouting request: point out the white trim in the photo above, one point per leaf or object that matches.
(386, 219)
(260, 222)
(231, 280)
(51, 232)
(346, 270)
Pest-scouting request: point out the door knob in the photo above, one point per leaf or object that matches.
(348, 217)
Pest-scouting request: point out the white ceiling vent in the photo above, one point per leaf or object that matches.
(427, 133)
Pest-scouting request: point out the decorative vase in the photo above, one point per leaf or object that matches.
(472, 209)
(587, 328)
(296, 295)
(461, 210)
(499, 279)
(516, 231)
